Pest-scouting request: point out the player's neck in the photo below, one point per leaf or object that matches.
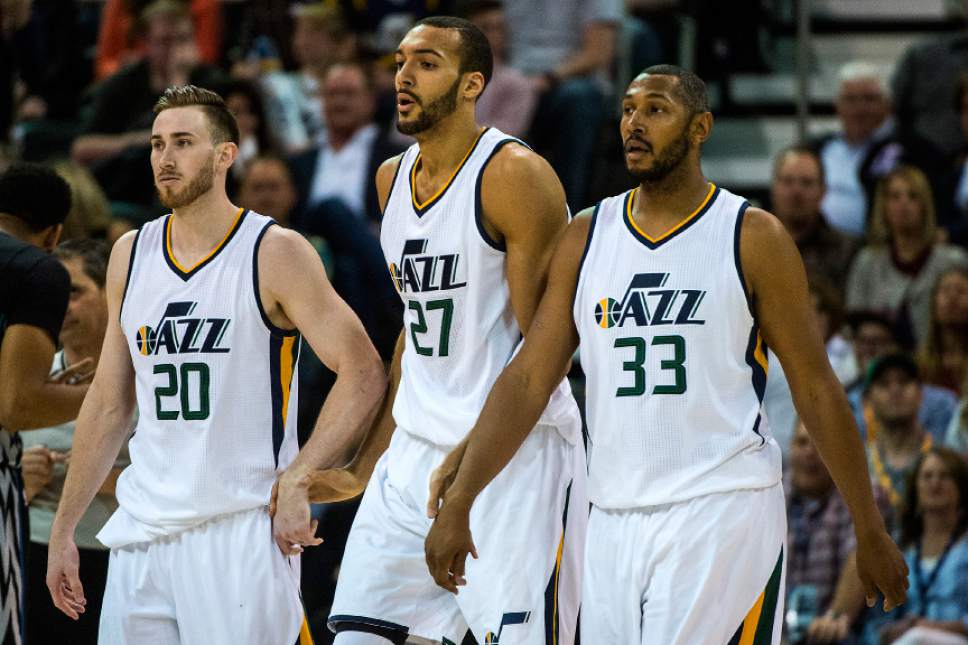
(198, 227)
(676, 195)
(446, 144)
(14, 227)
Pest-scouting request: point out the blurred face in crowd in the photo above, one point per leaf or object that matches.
(311, 43)
(655, 128)
(903, 209)
(862, 106)
(183, 156)
(428, 78)
(87, 309)
(348, 101)
(951, 299)
(937, 490)
(267, 188)
(895, 398)
(240, 106)
(871, 340)
(164, 36)
(493, 24)
(797, 191)
(809, 475)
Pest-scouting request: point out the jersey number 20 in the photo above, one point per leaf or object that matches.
(191, 374)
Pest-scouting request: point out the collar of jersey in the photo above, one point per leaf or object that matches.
(181, 271)
(684, 223)
(421, 208)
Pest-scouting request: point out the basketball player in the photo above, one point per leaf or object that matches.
(207, 307)
(470, 216)
(674, 289)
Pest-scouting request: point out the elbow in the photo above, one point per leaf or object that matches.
(14, 413)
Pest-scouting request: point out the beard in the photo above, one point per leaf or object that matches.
(200, 184)
(438, 109)
(667, 161)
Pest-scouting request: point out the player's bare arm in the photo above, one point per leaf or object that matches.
(777, 284)
(102, 427)
(338, 484)
(31, 399)
(297, 295)
(512, 408)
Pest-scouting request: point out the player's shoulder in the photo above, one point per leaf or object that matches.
(576, 236)
(760, 226)
(513, 160)
(388, 168)
(281, 244)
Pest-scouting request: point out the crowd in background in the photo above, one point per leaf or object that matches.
(878, 209)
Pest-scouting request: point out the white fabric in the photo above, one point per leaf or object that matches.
(224, 582)
(344, 174)
(685, 420)
(518, 525)
(186, 470)
(453, 280)
(686, 573)
(930, 636)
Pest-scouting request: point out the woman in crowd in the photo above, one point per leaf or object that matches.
(895, 273)
(942, 354)
(933, 534)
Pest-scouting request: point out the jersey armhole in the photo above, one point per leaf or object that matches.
(393, 184)
(588, 240)
(738, 259)
(273, 329)
(127, 278)
(478, 205)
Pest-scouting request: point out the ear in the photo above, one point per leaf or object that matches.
(701, 127)
(473, 85)
(52, 236)
(225, 155)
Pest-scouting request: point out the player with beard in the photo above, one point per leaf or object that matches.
(207, 306)
(674, 290)
(470, 216)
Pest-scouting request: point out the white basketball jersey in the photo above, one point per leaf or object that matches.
(674, 361)
(460, 330)
(216, 384)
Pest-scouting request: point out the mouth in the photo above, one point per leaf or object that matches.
(167, 179)
(636, 149)
(405, 102)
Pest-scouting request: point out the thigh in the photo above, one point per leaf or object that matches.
(384, 586)
(137, 606)
(529, 528)
(702, 546)
(231, 584)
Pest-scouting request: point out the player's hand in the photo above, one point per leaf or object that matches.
(79, 373)
(442, 477)
(63, 575)
(448, 544)
(881, 569)
(829, 628)
(292, 528)
(37, 465)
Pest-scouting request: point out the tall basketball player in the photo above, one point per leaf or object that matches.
(207, 308)
(470, 217)
(674, 289)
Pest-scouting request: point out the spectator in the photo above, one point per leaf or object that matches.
(925, 83)
(567, 47)
(933, 533)
(245, 103)
(896, 439)
(896, 271)
(821, 546)
(120, 40)
(873, 337)
(796, 193)
(956, 436)
(321, 37)
(34, 202)
(953, 198)
(114, 140)
(47, 453)
(863, 109)
(90, 214)
(343, 167)
(510, 99)
(943, 353)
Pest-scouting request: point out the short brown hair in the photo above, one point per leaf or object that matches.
(221, 121)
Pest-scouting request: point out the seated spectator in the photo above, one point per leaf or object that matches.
(895, 438)
(896, 271)
(47, 453)
(796, 194)
(321, 37)
(935, 541)
(943, 353)
(873, 336)
(120, 40)
(953, 197)
(343, 167)
(510, 99)
(245, 103)
(90, 214)
(821, 546)
(567, 47)
(114, 139)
